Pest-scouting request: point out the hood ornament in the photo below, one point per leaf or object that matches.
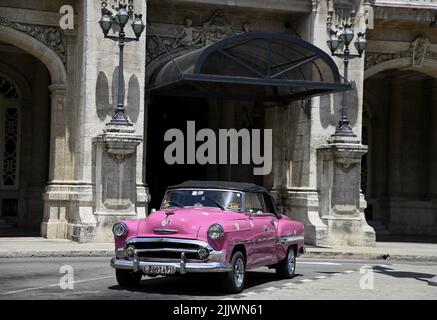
(168, 212)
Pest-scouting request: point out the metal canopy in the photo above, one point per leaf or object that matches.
(251, 66)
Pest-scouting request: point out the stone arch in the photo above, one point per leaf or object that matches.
(39, 50)
(428, 67)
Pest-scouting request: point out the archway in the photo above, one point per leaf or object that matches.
(399, 172)
(34, 68)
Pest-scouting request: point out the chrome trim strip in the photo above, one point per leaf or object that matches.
(165, 231)
(289, 239)
(187, 267)
(167, 250)
(183, 263)
(280, 239)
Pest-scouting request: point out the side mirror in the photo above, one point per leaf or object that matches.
(250, 213)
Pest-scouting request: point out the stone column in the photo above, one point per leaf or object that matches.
(54, 223)
(275, 119)
(342, 203)
(395, 138)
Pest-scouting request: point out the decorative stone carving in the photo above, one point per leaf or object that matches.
(420, 48)
(191, 37)
(115, 170)
(341, 12)
(52, 37)
(341, 203)
(314, 5)
(418, 51)
(113, 4)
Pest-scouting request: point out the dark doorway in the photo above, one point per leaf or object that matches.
(166, 113)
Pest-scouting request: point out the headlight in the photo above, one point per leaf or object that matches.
(119, 229)
(215, 232)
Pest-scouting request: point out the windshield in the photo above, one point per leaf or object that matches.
(228, 200)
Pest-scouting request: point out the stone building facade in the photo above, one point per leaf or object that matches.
(69, 174)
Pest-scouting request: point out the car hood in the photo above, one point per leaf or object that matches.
(183, 222)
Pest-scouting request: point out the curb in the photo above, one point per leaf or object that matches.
(369, 256)
(56, 253)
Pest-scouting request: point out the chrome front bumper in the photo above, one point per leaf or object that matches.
(181, 267)
(215, 261)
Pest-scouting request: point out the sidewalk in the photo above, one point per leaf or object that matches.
(41, 247)
(395, 250)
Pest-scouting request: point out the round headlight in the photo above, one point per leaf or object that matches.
(119, 229)
(215, 232)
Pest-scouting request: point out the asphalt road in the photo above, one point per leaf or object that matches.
(93, 278)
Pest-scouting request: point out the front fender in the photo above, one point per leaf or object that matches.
(132, 232)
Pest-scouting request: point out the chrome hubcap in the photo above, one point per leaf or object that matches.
(239, 272)
(290, 261)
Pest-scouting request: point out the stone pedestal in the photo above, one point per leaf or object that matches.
(342, 204)
(116, 195)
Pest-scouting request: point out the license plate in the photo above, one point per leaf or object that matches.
(159, 269)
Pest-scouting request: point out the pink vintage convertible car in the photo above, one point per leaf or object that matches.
(208, 226)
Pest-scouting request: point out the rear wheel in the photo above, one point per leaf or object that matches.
(235, 279)
(128, 278)
(286, 268)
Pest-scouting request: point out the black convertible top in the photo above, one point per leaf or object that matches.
(240, 186)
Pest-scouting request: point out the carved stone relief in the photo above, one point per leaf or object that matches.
(341, 12)
(188, 36)
(419, 50)
(52, 37)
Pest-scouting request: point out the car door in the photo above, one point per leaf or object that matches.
(264, 226)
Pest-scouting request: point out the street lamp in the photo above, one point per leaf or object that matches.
(121, 18)
(343, 41)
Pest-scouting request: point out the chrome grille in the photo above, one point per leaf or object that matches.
(166, 249)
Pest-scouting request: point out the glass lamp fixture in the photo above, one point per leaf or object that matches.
(122, 15)
(361, 43)
(138, 25)
(348, 34)
(333, 42)
(105, 23)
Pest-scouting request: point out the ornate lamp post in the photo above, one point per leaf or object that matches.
(121, 18)
(343, 41)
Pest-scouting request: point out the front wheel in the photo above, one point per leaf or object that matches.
(128, 278)
(286, 268)
(235, 279)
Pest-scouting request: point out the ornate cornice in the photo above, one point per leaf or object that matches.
(418, 51)
(52, 37)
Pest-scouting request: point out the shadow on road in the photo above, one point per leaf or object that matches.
(196, 285)
(403, 274)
